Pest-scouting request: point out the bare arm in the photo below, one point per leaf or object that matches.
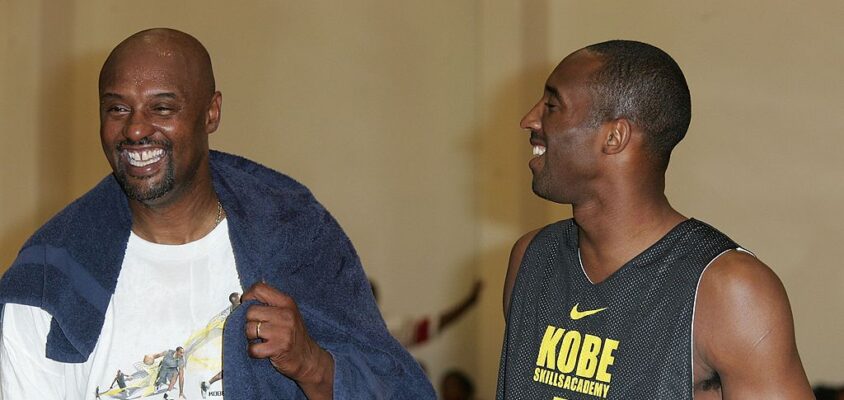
(514, 264)
(453, 314)
(744, 331)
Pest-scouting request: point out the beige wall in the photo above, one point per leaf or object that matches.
(402, 117)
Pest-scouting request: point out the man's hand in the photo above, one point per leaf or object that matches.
(285, 341)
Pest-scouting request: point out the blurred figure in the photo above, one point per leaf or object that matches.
(412, 330)
(456, 385)
(823, 392)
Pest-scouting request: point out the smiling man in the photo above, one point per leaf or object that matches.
(150, 256)
(630, 299)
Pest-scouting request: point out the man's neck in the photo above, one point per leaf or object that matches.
(611, 233)
(184, 220)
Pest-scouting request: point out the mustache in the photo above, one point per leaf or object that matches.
(165, 144)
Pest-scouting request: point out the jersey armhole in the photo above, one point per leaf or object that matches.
(694, 308)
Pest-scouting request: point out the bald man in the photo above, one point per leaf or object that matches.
(149, 257)
(630, 299)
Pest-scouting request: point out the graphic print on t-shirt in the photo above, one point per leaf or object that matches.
(157, 373)
(575, 361)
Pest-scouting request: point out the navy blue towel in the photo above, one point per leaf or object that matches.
(280, 234)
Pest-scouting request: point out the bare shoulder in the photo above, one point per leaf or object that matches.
(737, 279)
(743, 321)
(514, 264)
(742, 300)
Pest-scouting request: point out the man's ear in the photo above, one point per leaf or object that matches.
(215, 109)
(617, 136)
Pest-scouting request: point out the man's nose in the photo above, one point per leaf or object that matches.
(138, 127)
(532, 119)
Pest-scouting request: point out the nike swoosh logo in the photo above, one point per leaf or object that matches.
(575, 314)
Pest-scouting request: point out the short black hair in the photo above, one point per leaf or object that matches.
(462, 380)
(827, 392)
(643, 84)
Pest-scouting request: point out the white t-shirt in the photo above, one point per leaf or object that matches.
(166, 297)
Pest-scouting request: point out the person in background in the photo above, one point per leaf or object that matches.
(456, 385)
(414, 330)
(823, 392)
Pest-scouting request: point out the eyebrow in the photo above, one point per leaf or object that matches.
(169, 95)
(554, 92)
(110, 95)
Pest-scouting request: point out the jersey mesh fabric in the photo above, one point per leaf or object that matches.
(647, 307)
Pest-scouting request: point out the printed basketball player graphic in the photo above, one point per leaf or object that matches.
(158, 375)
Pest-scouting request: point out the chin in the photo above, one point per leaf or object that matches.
(144, 190)
(544, 192)
(541, 192)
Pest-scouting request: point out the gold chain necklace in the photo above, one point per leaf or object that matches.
(220, 214)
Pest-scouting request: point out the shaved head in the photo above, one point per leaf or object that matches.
(174, 47)
(158, 104)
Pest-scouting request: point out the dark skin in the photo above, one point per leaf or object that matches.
(157, 107)
(743, 319)
(284, 340)
(151, 100)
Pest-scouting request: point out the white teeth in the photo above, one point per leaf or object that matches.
(538, 150)
(144, 158)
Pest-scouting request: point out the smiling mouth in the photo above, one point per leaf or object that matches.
(144, 157)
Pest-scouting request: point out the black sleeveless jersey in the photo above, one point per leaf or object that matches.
(628, 337)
